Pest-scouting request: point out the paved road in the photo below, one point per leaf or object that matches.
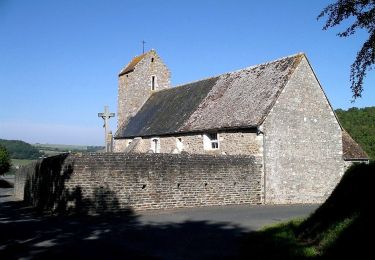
(246, 217)
(169, 234)
(6, 193)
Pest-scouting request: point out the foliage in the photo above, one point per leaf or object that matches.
(360, 124)
(4, 160)
(363, 12)
(20, 149)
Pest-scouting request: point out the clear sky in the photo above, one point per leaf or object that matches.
(59, 60)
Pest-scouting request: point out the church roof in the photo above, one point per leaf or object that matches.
(239, 99)
(130, 67)
(351, 149)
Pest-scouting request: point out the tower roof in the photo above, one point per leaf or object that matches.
(131, 66)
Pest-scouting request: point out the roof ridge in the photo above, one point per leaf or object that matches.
(238, 70)
(133, 62)
(272, 61)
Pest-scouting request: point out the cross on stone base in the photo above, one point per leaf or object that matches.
(106, 115)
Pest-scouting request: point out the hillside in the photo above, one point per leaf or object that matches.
(20, 149)
(22, 153)
(360, 124)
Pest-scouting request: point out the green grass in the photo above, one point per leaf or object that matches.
(18, 163)
(21, 162)
(61, 147)
(55, 149)
(51, 153)
(284, 240)
(329, 237)
(279, 241)
(341, 228)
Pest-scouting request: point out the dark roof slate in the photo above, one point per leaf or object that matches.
(239, 99)
(351, 149)
(166, 111)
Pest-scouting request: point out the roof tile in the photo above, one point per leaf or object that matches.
(351, 149)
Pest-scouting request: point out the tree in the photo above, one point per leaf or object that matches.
(363, 12)
(4, 160)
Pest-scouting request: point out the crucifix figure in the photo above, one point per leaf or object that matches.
(106, 115)
(143, 46)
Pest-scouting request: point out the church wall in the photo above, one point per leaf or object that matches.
(303, 143)
(134, 88)
(231, 143)
(116, 181)
(120, 145)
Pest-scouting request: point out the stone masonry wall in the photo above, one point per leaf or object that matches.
(230, 143)
(20, 180)
(134, 88)
(303, 144)
(114, 181)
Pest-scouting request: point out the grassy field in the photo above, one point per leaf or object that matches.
(55, 149)
(16, 163)
(21, 162)
(61, 147)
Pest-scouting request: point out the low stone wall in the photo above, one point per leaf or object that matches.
(115, 181)
(20, 180)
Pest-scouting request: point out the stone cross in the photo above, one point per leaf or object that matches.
(106, 115)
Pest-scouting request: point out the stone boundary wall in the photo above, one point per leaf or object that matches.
(115, 181)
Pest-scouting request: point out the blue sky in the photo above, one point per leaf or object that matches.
(59, 60)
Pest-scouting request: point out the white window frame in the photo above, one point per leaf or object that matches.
(155, 144)
(209, 142)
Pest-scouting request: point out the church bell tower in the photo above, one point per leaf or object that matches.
(144, 75)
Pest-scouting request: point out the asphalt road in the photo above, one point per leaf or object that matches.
(197, 233)
(247, 217)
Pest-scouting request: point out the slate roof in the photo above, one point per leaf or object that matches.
(351, 149)
(130, 67)
(239, 99)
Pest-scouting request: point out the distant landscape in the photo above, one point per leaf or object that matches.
(23, 153)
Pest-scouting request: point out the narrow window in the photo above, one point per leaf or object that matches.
(155, 145)
(214, 141)
(152, 59)
(153, 83)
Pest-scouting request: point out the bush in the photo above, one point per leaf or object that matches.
(4, 160)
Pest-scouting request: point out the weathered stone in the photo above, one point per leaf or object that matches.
(145, 181)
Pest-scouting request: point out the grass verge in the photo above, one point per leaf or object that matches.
(342, 227)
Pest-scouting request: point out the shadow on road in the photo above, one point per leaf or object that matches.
(5, 184)
(24, 233)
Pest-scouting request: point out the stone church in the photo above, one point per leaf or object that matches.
(276, 111)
